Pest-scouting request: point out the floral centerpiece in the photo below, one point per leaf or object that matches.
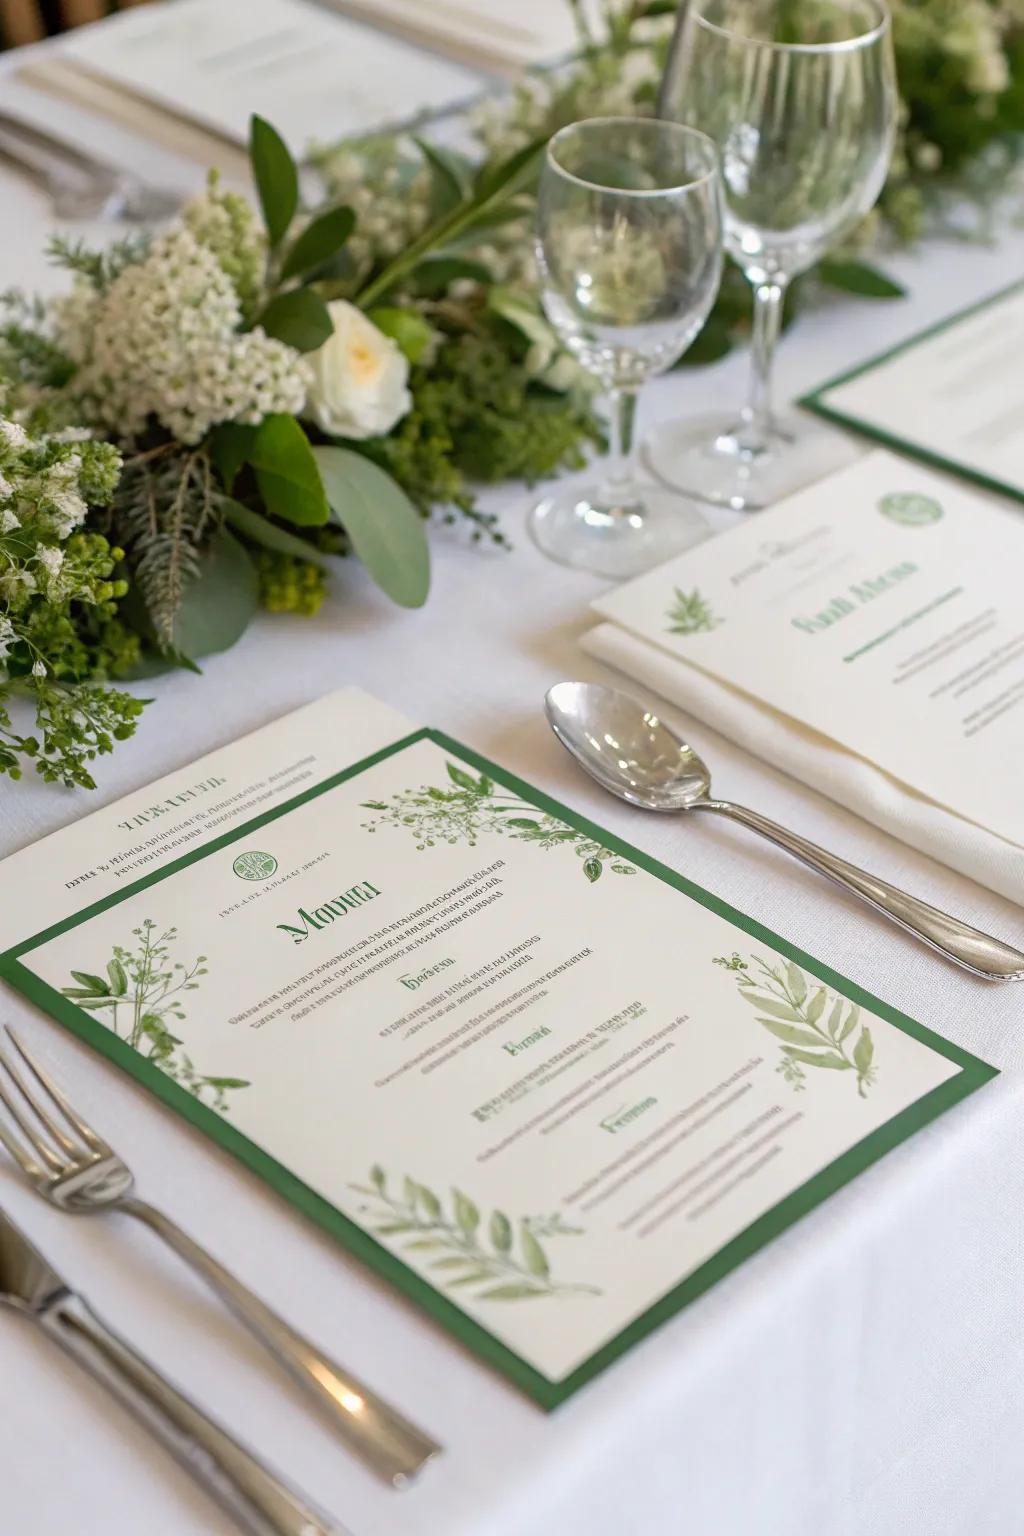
(230, 406)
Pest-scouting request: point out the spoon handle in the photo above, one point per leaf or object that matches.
(977, 952)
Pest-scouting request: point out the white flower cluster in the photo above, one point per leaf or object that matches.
(975, 34)
(163, 341)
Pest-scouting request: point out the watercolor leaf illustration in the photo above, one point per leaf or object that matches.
(496, 1259)
(470, 807)
(141, 997)
(814, 1025)
(690, 614)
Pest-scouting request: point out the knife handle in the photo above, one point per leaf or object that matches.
(260, 1503)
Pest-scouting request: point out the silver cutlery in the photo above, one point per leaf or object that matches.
(79, 1172)
(79, 185)
(260, 1502)
(634, 755)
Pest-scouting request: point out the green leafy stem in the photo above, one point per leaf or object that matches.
(141, 991)
(501, 1261)
(815, 1025)
(474, 806)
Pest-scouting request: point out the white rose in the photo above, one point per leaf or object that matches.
(360, 377)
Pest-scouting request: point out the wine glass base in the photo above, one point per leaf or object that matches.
(579, 528)
(707, 457)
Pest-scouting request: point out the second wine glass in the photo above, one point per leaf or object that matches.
(800, 97)
(630, 253)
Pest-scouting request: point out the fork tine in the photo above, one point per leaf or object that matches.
(88, 1135)
(35, 1141)
(28, 1166)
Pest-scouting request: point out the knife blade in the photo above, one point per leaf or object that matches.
(27, 1281)
(261, 1502)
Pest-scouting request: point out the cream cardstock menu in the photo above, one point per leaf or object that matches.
(953, 396)
(880, 608)
(541, 1083)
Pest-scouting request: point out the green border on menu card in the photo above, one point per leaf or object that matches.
(816, 402)
(549, 1394)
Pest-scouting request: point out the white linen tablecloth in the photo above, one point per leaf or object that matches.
(863, 1376)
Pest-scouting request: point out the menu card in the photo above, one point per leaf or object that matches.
(880, 609)
(546, 1086)
(316, 75)
(953, 396)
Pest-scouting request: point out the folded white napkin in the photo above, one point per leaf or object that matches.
(819, 762)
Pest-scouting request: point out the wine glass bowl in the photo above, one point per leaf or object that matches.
(800, 96)
(629, 248)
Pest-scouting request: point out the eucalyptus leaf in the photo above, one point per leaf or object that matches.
(287, 472)
(860, 278)
(450, 172)
(218, 604)
(260, 530)
(828, 1059)
(500, 1229)
(458, 1261)
(383, 526)
(816, 1006)
(95, 983)
(429, 1201)
(118, 978)
(835, 1017)
(276, 177)
(435, 275)
(769, 1005)
(797, 982)
(852, 1020)
(460, 777)
(229, 447)
(321, 239)
(475, 1277)
(593, 869)
(513, 1292)
(715, 341)
(790, 1033)
(864, 1051)
(534, 1257)
(299, 318)
(466, 1213)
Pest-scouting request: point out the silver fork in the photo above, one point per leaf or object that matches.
(82, 1174)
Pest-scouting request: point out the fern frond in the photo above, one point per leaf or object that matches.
(166, 508)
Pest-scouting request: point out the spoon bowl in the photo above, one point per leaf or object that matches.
(634, 755)
(626, 748)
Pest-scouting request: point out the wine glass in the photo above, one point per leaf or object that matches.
(800, 97)
(630, 252)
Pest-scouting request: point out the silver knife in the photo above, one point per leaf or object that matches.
(259, 1501)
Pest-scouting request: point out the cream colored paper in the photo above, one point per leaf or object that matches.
(879, 609)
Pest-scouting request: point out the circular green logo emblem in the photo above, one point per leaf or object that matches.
(254, 866)
(910, 509)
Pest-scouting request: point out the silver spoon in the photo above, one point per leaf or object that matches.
(630, 752)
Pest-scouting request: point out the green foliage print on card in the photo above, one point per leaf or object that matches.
(815, 1026)
(690, 614)
(470, 807)
(494, 1258)
(140, 996)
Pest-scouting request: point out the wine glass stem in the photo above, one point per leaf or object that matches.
(758, 417)
(619, 488)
